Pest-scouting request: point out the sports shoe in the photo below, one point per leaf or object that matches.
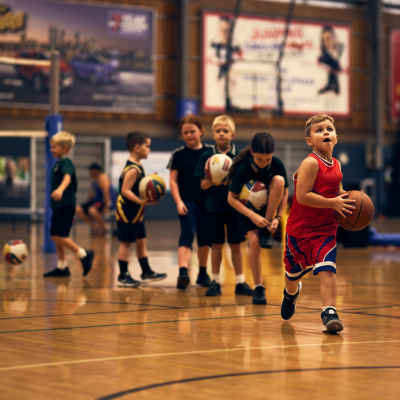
(58, 273)
(288, 306)
(331, 321)
(87, 262)
(183, 281)
(259, 295)
(266, 239)
(243, 289)
(203, 280)
(214, 289)
(125, 279)
(152, 276)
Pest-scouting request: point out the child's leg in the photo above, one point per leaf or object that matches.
(328, 288)
(98, 217)
(67, 243)
(202, 254)
(237, 258)
(83, 216)
(276, 189)
(255, 256)
(123, 251)
(216, 259)
(291, 286)
(141, 248)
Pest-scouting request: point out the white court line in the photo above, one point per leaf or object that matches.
(188, 353)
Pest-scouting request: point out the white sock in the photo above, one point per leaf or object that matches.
(240, 278)
(81, 253)
(215, 277)
(292, 294)
(62, 264)
(324, 308)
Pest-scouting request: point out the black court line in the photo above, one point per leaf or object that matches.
(205, 378)
(146, 323)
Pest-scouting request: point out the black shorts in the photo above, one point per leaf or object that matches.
(61, 221)
(194, 222)
(246, 224)
(216, 226)
(98, 204)
(130, 232)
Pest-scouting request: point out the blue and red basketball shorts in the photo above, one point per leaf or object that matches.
(316, 253)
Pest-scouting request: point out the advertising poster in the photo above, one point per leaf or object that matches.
(315, 66)
(106, 55)
(394, 89)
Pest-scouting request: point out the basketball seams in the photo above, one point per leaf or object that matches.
(359, 212)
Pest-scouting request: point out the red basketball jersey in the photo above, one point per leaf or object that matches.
(306, 221)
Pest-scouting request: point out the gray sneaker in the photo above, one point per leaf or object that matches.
(331, 322)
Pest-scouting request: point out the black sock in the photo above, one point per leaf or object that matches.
(183, 271)
(144, 264)
(203, 270)
(123, 266)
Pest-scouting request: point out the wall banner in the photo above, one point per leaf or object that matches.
(315, 67)
(394, 88)
(106, 55)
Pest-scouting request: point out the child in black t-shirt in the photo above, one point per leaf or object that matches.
(258, 162)
(63, 203)
(190, 200)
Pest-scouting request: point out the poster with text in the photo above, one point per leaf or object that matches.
(315, 66)
(394, 89)
(106, 55)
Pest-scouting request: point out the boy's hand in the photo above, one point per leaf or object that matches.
(342, 205)
(259, 220)
(182, 210)
(57, 195)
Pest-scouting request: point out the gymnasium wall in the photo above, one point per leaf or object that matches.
(163, 122)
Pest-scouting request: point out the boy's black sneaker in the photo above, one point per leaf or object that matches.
(288, 306)
(183, 281)
(203, 280)
(331, 321)
(87, 262)
(125, 279)
(58, 273)
(214, 289)
(244, 289)
(259, 295)
(152, 276)
(266, 239)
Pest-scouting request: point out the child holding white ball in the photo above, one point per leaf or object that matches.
(219, 213)
(257, 162)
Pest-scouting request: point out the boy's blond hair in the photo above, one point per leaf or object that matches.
(224, 120)
(314, 120)
(63, 138)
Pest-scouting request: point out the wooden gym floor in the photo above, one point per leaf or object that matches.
(88, 339)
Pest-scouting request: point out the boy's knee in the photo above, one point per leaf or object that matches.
(55, 239)
(217, 247)
(92, 210)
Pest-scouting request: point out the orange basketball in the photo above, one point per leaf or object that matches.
(361, 216)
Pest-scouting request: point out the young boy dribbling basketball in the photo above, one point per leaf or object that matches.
(311, 227)
(220, 213)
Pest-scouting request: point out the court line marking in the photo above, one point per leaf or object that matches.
(203, 378)
(193, 352)
(148, 323)
(348, 311)
(188, 320)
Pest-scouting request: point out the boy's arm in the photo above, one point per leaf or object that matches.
(234, 201)
(57, 194)
(173, 184)
(305, 182)
(129, 180)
